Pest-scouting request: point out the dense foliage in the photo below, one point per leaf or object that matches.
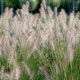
(53, 3)
(43, 46)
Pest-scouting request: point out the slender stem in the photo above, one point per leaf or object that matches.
(48, 3)
(74, 5)
(1, 7)
(25, 2)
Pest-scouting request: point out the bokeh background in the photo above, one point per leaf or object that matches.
(67, 5)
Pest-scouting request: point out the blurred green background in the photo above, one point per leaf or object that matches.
(35, 4)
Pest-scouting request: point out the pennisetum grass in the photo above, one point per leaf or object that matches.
(42, 46)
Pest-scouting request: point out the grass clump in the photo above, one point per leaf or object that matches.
(76, 62)
(50, 54)
(24, 75)
(50, 65)
(5, 63)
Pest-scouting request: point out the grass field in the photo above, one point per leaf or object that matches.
(43, 46)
